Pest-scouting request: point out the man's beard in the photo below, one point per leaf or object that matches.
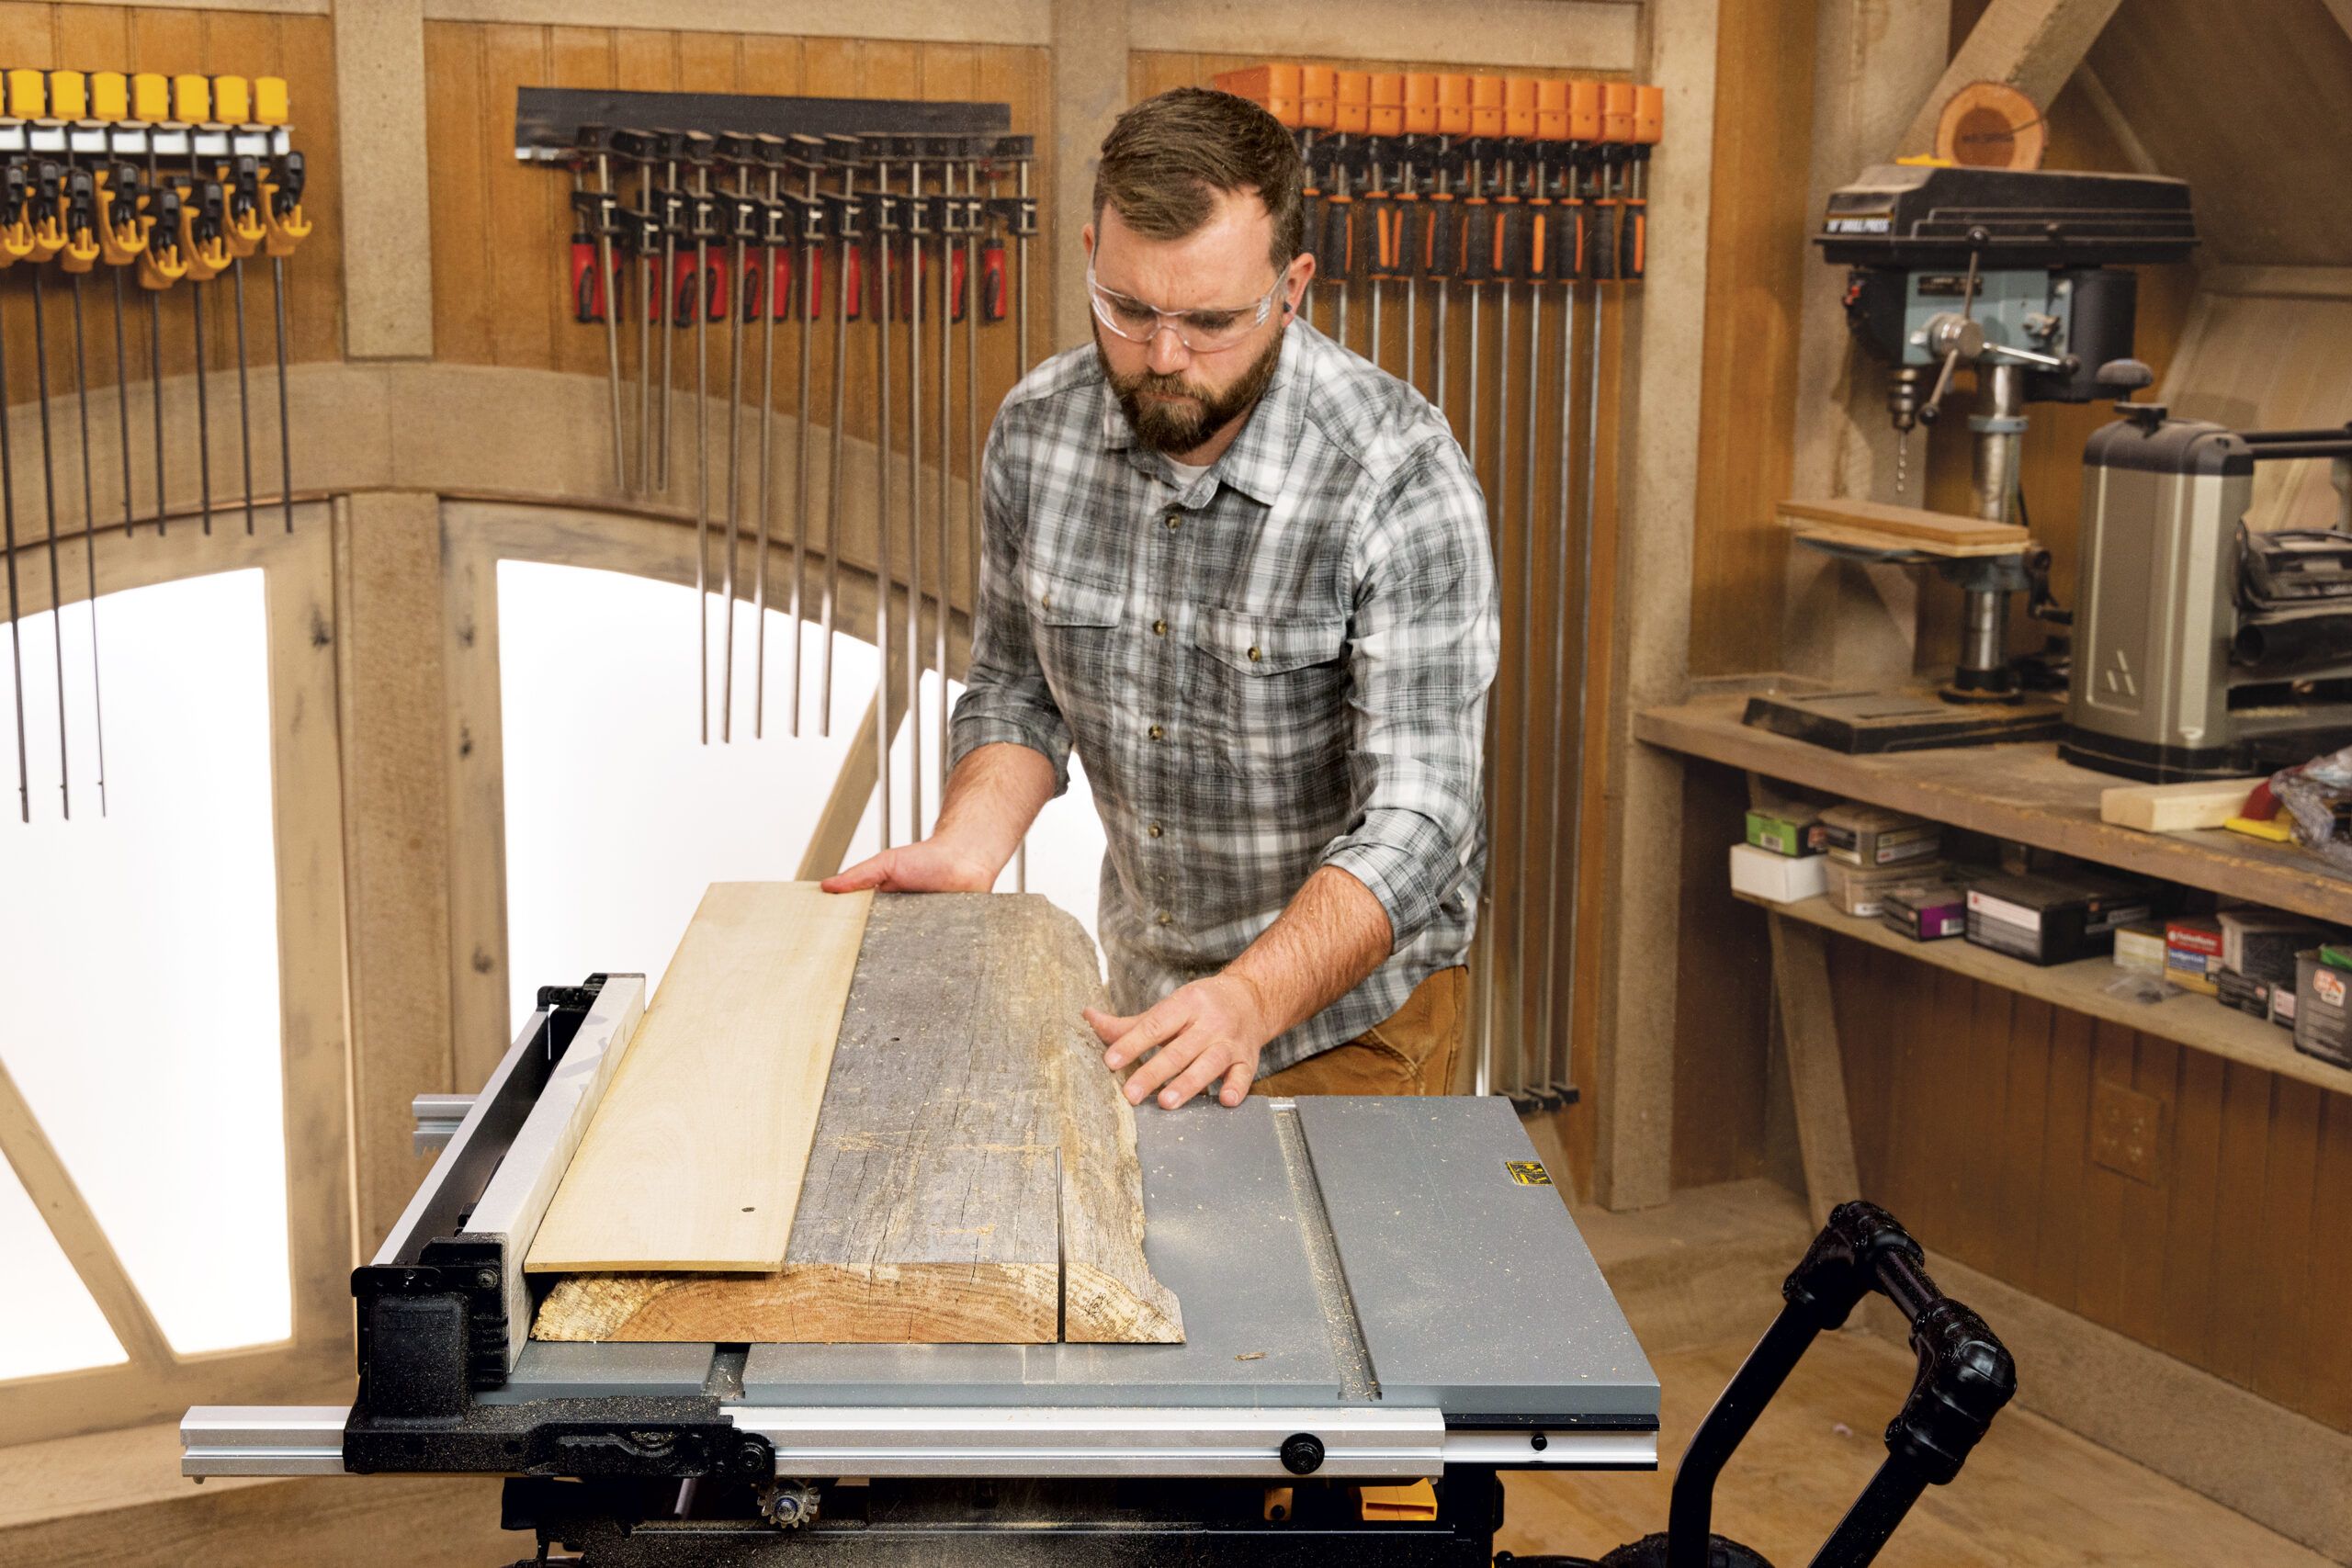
(1178, 428)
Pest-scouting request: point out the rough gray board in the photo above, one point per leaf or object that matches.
(1474, 1293)
(1220, 1230)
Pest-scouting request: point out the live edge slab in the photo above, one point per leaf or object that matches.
(973, 1176)
(2022, 791)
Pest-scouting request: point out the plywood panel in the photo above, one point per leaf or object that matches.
(695, 1160)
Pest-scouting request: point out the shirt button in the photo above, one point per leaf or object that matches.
(1164, 917)
(1175, 519)
(1153, 829)
(1157, 733)
(1159, 628)
(1046, 601)
(1255, 655)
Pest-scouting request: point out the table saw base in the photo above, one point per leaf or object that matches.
(1066, 1524)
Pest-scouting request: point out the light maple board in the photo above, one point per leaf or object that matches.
(973, 1177)
(694, 1159)
(1927, 530)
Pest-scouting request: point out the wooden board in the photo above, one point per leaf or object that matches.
(694, 1159)
(973, 1177)
(2171, 808)
(1917, 526)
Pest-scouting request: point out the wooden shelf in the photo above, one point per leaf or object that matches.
(2197, 1022)
(2020, 792)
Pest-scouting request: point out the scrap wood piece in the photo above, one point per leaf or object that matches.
(973, 1177)
(2171, 808)
(693, 1160)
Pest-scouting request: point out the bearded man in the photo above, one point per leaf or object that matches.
(1245, 572)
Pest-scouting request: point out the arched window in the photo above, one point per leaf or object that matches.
(173, 1202)
(575, 692)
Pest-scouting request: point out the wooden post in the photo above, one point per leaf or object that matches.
(1650, 657)
(1089, 54)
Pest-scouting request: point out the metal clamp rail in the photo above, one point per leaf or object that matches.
(1354, 1442)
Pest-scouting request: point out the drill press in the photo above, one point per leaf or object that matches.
(2019, 275)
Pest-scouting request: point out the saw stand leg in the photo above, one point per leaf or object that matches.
(1817, 1064)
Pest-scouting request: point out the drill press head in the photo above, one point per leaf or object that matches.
(1972, 266)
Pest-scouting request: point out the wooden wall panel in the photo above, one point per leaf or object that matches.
(172, 41)
(1757, 254)
(2248, 105)
(1972, 1117)
(501, 230)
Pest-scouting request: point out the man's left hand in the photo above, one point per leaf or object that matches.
(1209, 1029)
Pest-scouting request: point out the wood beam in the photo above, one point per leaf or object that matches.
(1817, 1066)
(79, 1235)
(2032, 45)
(380, 99)
(854, 785)
(393, 710)
(1090, 76)
(1650, 638)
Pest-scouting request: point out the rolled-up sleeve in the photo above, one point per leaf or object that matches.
(1425, 635)
(1005, 695)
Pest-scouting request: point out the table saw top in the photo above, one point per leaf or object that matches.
(1327, 1251)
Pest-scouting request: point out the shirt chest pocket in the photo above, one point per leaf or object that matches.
(1272, 686)
(1072, 622)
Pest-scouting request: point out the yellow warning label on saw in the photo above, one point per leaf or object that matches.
(1528, 1172)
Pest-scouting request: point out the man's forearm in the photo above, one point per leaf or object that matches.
(1332, 934)
(993, 795)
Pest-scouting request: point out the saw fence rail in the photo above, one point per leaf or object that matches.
(704, 216)
(171, 181)
(1476, 235)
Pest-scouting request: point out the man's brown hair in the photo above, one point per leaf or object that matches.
(1168, 157)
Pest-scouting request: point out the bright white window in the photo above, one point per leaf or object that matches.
(617, 817)
(140, 963)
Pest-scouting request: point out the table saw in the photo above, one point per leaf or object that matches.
(1377, 1294)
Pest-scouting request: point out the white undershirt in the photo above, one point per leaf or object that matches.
(1187, 473)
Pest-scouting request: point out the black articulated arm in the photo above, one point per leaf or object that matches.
(1966, 1376)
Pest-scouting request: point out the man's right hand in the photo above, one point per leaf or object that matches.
(930, 866)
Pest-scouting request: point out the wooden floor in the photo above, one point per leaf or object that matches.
(2034, 1496)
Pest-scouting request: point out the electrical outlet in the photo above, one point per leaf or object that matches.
(2126, 1127)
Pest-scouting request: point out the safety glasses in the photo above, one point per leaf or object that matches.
(1202, 331)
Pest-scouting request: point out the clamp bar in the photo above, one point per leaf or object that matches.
(263, 1440)
(438, 1117)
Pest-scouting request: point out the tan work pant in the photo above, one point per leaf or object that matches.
(1413, 1051)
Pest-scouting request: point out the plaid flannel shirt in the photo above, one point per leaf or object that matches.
(1281, 665)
